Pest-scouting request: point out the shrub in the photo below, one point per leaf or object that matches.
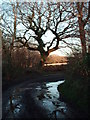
(75, 88)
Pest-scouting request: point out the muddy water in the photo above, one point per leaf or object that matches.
(36, 100)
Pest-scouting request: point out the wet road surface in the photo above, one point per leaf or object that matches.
(36, 100)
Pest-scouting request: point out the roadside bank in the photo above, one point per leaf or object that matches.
(75, 92)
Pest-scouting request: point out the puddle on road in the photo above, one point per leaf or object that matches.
(52, 89)
(14, 105)
(50, 101)
(45, 95)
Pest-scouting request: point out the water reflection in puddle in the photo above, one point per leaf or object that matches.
(52, 88)
(50, 100)
(13, 107)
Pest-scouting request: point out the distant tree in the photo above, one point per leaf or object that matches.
(9, 23)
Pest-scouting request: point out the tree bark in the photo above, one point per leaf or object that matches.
(43, 58)
(81, 27)
(82, 37)
(89, 49)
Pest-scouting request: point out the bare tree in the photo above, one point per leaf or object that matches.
(39, 18)
(33, 21)
(14, 7)
(9, 22)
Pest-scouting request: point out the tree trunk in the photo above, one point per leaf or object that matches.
(83, 39)
(81, 27)
(89, 49)
(43, 58)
